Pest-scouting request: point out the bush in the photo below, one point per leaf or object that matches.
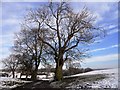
(88, 70)
(72, 71)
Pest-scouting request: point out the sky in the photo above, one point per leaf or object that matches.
(104, 52)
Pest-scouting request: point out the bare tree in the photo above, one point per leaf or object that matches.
(11, 63)
(25, 64)
(64, 32)
(69, 63)
(47, 65)
(31, 49)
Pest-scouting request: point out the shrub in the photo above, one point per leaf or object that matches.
(88, 70)
(72, 71)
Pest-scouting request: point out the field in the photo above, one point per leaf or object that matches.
(95, 79)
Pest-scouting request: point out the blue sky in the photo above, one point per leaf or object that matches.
(104, 52)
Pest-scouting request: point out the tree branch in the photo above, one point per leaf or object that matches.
(72, 46)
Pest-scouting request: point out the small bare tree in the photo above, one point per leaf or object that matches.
(25, 64)
(47, 66)
(30, 48)
(11, 63)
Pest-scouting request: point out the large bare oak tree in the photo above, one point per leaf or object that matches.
(64, 31)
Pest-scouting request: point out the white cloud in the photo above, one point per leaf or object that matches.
(98, 9)
(6, 42)
(6, 39)
(102, 58)
(4, 52)
(112, 26)
(10, 25)
(99, 17)
(101, 49)
(11, 21)
(113, 31)
(115, 46)
(97, 41)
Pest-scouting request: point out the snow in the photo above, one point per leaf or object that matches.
(46, 79)
(8, 82)
(110, 82)
(43, 77)
(107, 71)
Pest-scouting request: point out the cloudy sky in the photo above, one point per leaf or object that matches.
(104, 52)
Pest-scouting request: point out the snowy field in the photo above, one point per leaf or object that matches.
(95, 79)
(8, 82)
(111, 80)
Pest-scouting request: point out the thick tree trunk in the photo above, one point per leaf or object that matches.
(58, 72)
(34, 75)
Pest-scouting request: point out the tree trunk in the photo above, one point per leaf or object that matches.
(13, 73)
(58, 72)
(20, 75)
(26, 76)
(34, 75)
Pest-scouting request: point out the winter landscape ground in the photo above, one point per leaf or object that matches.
(104, 79)
(107, 78)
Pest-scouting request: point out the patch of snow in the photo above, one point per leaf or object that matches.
(7, 79)
(110, 82)
(8, 82)
(107, 71)
(24, 76)
(45, 79)
(41, 76)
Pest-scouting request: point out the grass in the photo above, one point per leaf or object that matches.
(79, 79)
(85, 78)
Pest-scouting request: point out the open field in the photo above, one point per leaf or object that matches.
(95, 79)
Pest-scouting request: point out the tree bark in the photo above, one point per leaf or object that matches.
(13, 73)
(34, 75)
(26, 76)
(20, 75)
(58, 72)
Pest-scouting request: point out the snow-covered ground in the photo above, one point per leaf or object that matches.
(8, 82)
(110, 82)
(107, 71)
